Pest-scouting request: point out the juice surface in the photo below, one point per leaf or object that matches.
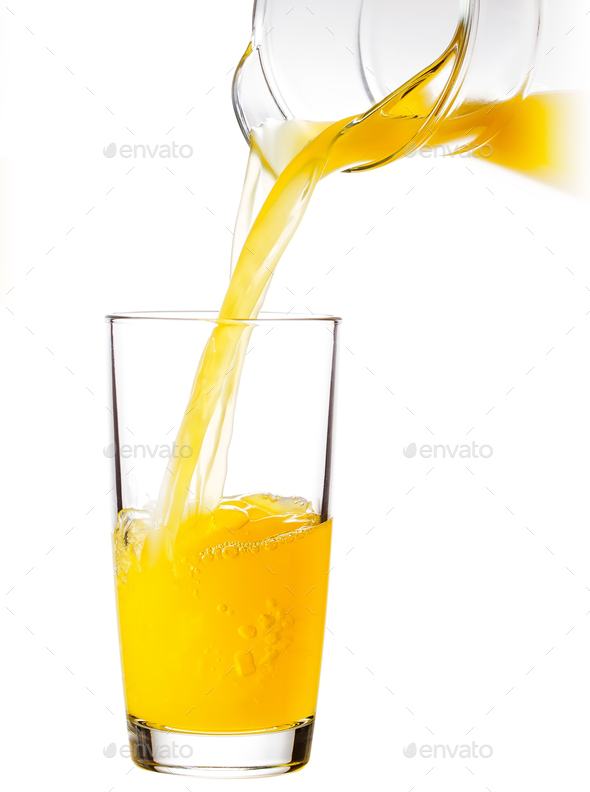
(224, 632)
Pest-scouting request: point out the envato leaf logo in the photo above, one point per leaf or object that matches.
(411, 450)
(110, 751)
(110, 150)
(411, 750)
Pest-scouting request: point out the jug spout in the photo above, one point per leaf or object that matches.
(253, 100)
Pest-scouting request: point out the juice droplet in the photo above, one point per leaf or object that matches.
(271, 545)
(269, 657)
(244, 663)
(266, 620)
(230, 551)
(271, 638)
(271, 602)
(288, 621)
(247, 631)
(229, 613)
(221, 608)
(278, 613)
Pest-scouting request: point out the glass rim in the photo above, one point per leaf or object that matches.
(213, 316)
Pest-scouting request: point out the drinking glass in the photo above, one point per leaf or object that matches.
(221, 620)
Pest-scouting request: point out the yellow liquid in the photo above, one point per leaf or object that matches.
(544, 139)
(209, 642)
(225, 633)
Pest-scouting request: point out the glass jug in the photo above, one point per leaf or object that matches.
(338, 58)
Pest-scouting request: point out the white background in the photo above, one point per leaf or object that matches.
(462, 615)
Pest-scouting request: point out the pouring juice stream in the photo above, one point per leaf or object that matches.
(386, 132)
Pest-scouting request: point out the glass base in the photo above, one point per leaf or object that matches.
(239, 755)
